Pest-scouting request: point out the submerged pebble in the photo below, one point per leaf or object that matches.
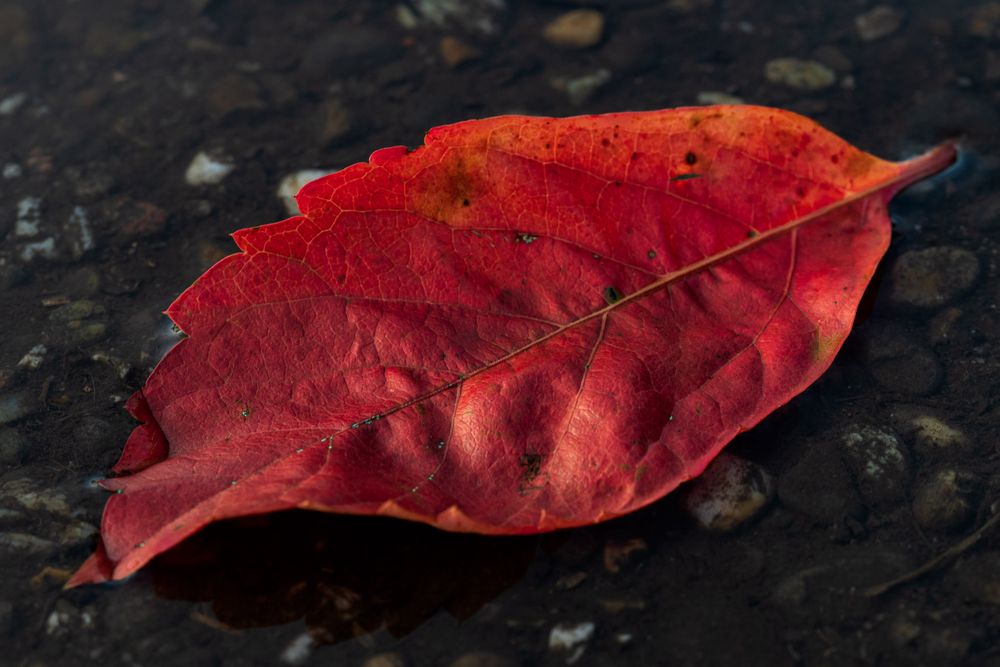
(799, 74)
(454, 52)
(622, 553)
(75, 310)
(26, 544)
(299, 650)
(473, 15)
(12, 103)
(729, 493)
(930, 435)
(878, 22)
(67, 620)
(76, 533)
(880, 464)
(78, 233)
(205, 169)
(33, 358)
(28, 221)
(581, 88)
(577, 29)
(572, 639)
(932, 277)
(291, 184)
(947, 501)
(31, 496)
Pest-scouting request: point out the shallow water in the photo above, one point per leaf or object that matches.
(104, 104)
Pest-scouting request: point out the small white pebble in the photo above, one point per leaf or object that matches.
(571, 638)
(406, 18)
(46, 249)
(729, 493)
(53, 622)
(12, 103)
(291, 184)
(579, 89)
(34, 358)
(12, 170)
(298, 650)
(28, 217)
(207, 170)
(84, 241)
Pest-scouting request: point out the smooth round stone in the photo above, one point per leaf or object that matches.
(799, 74)
(932, 277)
(578, 29)
(880, 464)
(729, 493)
(946, 502)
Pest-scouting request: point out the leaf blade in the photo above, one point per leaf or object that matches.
(420, 291)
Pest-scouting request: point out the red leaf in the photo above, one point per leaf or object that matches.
(525, 324)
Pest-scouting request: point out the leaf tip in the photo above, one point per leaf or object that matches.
(95, 570)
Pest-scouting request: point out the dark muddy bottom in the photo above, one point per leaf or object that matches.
(104, 105)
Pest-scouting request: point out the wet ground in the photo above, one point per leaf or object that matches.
(888, 461)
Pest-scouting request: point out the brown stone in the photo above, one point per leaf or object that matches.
(455, 52)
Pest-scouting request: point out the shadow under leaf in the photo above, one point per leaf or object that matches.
(345, 576)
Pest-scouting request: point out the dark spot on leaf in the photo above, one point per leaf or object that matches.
(651, 254)
(685, 177)
(605, 141)
(690, 158)
(465, 202)
(751, 233)
(525, 238)
(611, 294)
(800, 191)
(531, 464)
(618, 184)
